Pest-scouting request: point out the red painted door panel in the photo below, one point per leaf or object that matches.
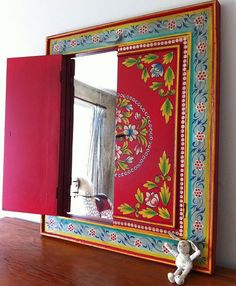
(32, 134)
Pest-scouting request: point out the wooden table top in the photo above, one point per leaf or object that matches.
(28, 259)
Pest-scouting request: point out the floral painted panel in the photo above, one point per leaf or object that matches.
(146, 156)
(197, 151)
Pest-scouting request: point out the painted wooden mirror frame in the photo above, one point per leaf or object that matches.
(173, 59)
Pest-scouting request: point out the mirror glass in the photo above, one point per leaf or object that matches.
(95, 85)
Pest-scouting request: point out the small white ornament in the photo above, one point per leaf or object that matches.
(184, 261)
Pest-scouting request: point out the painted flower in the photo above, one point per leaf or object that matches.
(165, 249)
(118, 152)
(197, 192)
(143, 29)
(56, 48)
(199, 20)
(200, 107)
(201, 47)
(95, 38)
(129, 160)
(138, 149)
(198, 165)
(92, 232)
(201, 75)
(70, 227)
(129, 107)
(200, 136)
(113, 236)
(198, 225)
(119, 116)
(51, 222)
(73, 43)
(119, 32)
(138, 243)
(137, 115)
(157, 70)
(171, 25)
(151, 199)
(130, 132)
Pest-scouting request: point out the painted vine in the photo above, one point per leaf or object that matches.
(159, 68)
(131, 133)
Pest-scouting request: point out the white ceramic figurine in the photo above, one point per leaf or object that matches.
(184, 260)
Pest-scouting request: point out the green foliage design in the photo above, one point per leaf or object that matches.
(166, 110)
(150, 185)
(164, 165)
(169, 77)
(164, 213)
(130, 62)
(147, 59)
(167, 58)
(148, 213)
(140, 208)
(126, 209)
(165, 194)
(142, 63)
(139, 196)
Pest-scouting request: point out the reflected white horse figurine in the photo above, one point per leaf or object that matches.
(89, 204)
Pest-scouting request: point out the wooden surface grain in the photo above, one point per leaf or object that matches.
(28, 259)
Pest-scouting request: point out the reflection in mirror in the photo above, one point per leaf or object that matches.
(95, 85)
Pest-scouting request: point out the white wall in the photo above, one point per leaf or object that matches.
(24, 25)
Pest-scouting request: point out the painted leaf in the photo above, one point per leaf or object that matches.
(147, 59)
(150, 185)
(148, 213)
(126, 209)
(123, 165)
(140, 66)
(130, 62)
(125, 120)
(165, 194)
(119, 126)
(143, 132)
(142, 139)
(162, 93)
(164, 164)
(139, 196)
(144, 122)
(169, 77)
(155, 85)
(128, 114)
(164, 213)
(127, 151)
(166, 110)
(123, 102)
(167, 58)
(145, 75)
(125, 145)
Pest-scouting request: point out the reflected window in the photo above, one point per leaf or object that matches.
(94, 135)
